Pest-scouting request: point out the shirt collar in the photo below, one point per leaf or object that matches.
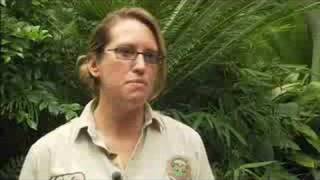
(86, 121)
(152, 118)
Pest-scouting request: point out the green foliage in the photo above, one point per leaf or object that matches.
(28, 70)
(245, 169)
(12, 169)
(301, 99)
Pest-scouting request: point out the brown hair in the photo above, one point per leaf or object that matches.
(101, 37)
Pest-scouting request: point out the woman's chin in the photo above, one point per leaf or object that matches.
(137, 98)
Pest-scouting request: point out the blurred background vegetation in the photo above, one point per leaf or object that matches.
(245, 74)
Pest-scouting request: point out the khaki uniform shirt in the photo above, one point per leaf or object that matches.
(166, 150)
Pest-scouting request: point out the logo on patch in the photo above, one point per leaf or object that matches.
(178, 168)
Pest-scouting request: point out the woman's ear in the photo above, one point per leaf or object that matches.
(93, 67)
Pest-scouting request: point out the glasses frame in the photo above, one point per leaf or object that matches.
(144, 54)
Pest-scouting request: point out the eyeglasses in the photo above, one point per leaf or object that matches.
(130, 54)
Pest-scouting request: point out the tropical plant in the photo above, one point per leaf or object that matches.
(33, 87)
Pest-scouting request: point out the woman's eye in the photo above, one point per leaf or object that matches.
(152, 56)
(126, 51)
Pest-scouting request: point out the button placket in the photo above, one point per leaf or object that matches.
(134, 154)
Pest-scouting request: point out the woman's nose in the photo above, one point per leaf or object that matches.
(139, 64)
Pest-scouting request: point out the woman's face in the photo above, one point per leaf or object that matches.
(127, 80)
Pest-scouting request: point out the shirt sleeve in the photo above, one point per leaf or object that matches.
(36, 164)
(28, 170)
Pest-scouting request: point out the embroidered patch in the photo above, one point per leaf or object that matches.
(69, 176)
(178, 168)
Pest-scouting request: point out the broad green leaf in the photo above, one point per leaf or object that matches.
(236, 134)
(22, 116)
(7, 59)
(43, 105)
(251, 173)
(305, 130)
(303, 160)
(286, 143)
(54, 109)
(315, 143)
(256, 165)
(278, 91)
(36, 2)
(293, 77)
(4, 41)
(75, 106)
(32, 124)
(3, 3)
(34, 98)
(70, 115)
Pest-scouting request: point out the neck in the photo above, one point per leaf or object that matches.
(118, 119)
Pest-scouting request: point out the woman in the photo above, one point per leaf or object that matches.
(118, 135)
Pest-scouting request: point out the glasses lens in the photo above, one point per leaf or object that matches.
(129, 53)
(152, 57)
(125, 53)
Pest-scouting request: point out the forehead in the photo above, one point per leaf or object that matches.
(133, 32)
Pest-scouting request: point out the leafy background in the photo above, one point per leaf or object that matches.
(245, 74)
